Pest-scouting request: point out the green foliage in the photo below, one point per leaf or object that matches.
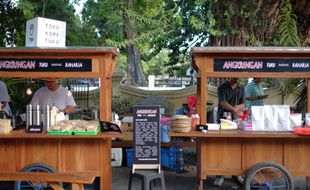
(123, 104)
(288, 26)
(17, 91)
(11, 21)
(76, 34)
(157, 65)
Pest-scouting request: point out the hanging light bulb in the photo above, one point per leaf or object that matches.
(28, 91)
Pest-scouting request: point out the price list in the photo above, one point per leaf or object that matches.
(146, 134)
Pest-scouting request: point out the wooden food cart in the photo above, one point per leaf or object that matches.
(234, 152)
(64, 153)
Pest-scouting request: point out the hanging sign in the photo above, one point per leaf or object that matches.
(146, 135)
(46, 65)
(262, 65)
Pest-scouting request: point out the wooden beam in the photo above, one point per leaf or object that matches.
(69, 177)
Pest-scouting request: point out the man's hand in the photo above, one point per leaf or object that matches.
(238, 109)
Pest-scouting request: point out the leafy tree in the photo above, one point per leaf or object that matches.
(61, 10)
(288, 27)
(127, 24)
(11, 21)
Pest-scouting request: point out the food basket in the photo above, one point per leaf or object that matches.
(180, 123)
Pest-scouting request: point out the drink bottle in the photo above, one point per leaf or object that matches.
(179, 159)
(172, 158)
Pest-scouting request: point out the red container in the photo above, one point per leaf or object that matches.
(195, 121)
(302, 131)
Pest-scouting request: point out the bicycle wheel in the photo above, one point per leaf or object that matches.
(28, 185)
(268, 176)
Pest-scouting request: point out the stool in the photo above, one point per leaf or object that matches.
(147, 176)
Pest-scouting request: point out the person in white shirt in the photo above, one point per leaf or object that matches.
(4, 99)
(54, 95)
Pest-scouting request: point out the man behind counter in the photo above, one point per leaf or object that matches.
(230, 98)
(54, 95)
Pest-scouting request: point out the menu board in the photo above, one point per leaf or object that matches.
(262, 65)
(146, 134)
(45, 65)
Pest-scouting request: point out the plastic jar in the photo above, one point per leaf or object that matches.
(165, 127)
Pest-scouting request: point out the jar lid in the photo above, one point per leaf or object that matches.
(165, 120)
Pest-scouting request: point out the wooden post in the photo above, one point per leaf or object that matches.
(308, 95)
(201, 90)
(308, 109)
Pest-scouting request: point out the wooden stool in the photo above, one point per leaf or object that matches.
(147, 176)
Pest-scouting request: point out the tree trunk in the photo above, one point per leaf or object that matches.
(134, 68)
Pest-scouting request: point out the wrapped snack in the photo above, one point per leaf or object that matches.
(5, 126)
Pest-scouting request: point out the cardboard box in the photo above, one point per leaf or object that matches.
(44, 32)
(127, 128)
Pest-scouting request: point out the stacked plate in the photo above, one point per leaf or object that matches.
(180, 123)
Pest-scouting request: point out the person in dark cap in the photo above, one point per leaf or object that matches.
(54, 95)
(4, 99)
(184, 110)
(230, 100)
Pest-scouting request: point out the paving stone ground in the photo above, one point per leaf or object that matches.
(187, 181)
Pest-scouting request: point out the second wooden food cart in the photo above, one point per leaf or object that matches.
(237, 152)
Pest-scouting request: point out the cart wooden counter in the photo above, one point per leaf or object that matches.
(65, 153)
(233, 152)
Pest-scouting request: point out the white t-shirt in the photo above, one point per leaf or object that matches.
(5, 97)
(59, 98)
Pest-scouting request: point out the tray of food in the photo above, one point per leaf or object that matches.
(75, 127)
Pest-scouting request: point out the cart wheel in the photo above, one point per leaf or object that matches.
(239, 180)
(34, 167)
(268, 176)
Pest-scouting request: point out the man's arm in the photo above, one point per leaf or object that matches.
(229, 107)
(68, 109)
(252, 98)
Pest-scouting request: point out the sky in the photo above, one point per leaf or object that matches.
(79, 7)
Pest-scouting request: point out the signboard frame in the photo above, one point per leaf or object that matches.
(146, 141)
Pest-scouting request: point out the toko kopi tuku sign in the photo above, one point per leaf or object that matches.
(262, 65)
(44, 32)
